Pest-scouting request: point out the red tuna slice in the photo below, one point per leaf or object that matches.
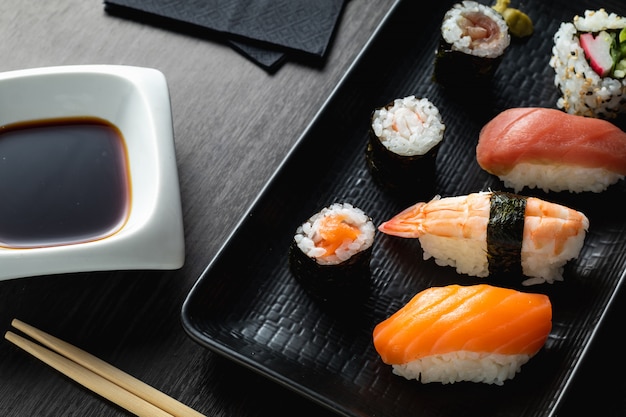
(598, 52)
(550, 137)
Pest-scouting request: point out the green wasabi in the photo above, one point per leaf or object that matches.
(518, 22)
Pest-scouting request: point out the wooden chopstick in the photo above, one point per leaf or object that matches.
(104, 379)
(93, 381)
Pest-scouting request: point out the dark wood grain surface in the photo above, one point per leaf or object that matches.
(234, 123)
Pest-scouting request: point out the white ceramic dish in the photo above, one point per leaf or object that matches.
(136, 101)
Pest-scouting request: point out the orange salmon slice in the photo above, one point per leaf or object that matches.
(334, 230)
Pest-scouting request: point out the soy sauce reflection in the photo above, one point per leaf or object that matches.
(62, 181)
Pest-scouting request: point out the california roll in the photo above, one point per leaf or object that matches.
(589, 60)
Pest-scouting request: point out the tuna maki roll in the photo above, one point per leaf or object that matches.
(589, 60)
(474, 38)
(404, 139)
(330, 252)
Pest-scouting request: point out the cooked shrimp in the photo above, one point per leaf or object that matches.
(460, 217)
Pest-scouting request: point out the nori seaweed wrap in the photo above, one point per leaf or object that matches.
(505, 233)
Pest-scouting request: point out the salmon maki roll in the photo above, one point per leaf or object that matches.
(552, 150)
(490, 233)
(477, 333)
(331, 251)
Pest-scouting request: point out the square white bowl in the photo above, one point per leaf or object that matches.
(136, 101)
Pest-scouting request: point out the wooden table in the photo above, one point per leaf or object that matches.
(233, 123)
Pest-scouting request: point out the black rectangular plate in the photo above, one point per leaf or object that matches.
(247, 306)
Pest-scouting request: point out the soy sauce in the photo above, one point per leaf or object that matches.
(62, 181)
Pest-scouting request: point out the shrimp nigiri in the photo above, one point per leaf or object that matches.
(485, 233)
(477, 333)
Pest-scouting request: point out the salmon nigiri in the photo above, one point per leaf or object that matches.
(477, 333)
(489, 233)
(552, 150)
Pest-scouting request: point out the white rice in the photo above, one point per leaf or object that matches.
(307, 236)
(597, 20)
(559, 178)
(459, 366)
(468, 257)
(409, 126)
(583, 91)
(453, 33)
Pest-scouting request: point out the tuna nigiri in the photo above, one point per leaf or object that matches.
(552, 150)
(493, 232)
(477, 333)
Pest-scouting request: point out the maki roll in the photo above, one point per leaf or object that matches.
(473, 40)
(589, 60)
(494, 234)
(405, 136)
(330, 252)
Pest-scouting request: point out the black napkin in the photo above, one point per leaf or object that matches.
(265, 31)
